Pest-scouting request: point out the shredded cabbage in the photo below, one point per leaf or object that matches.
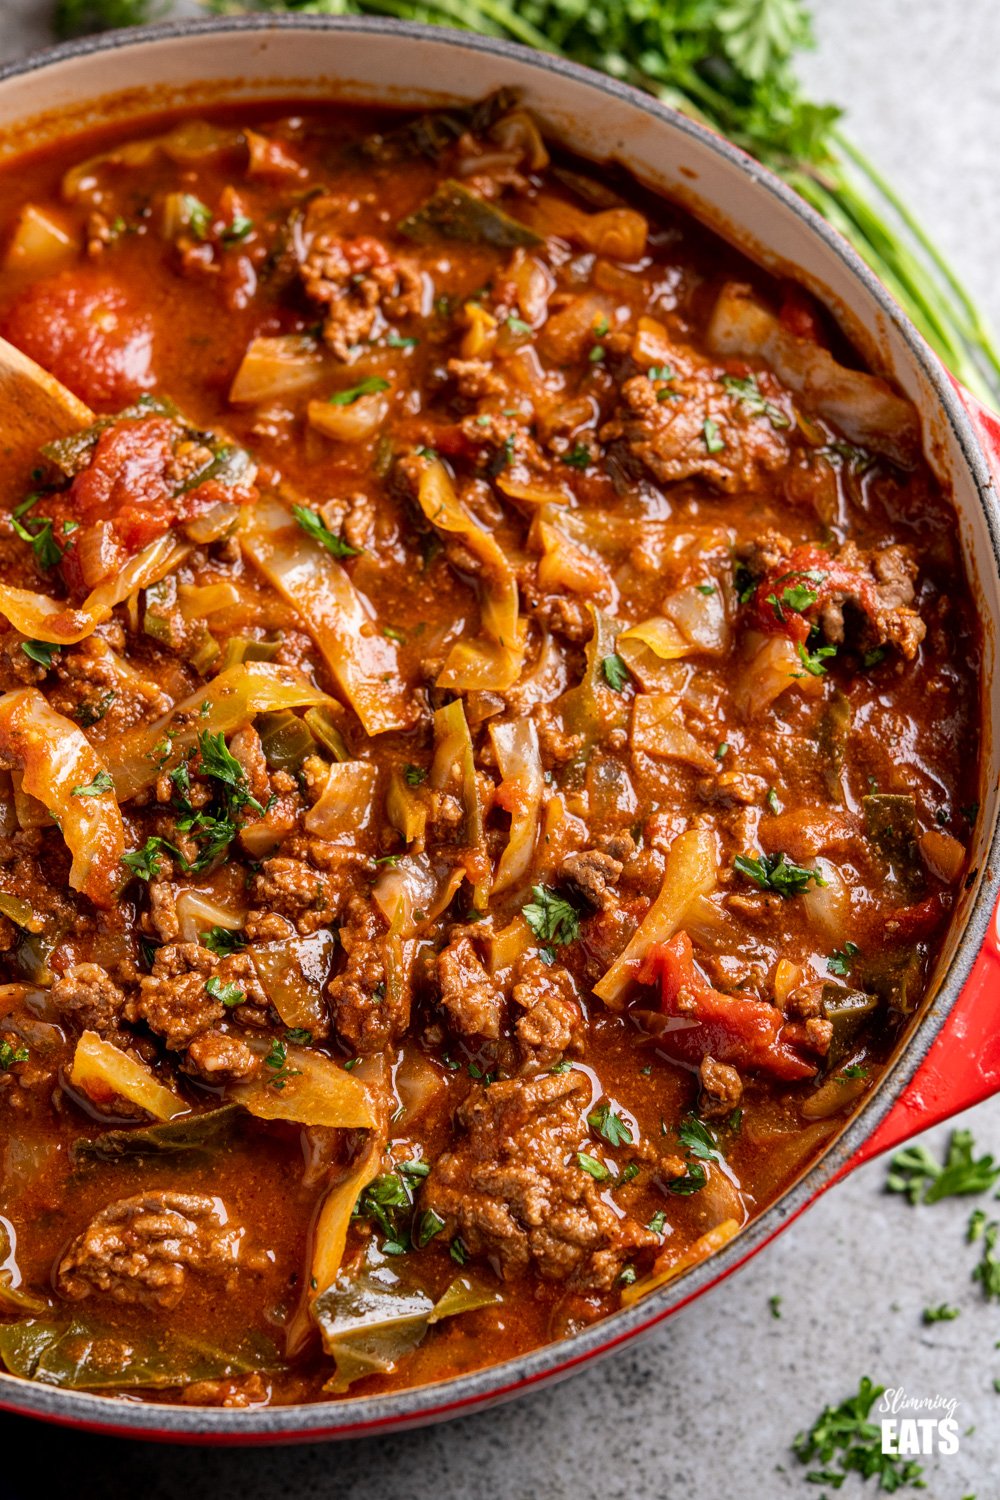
(59, 766)
(345, 806)
(307, 1089)
(293, 973)
(226, 703)
(471, 667)
(44, 619)
(692, 871)
(364, 663)
(105, 1073)
(520, 793)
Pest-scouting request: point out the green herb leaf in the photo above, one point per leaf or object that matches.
(923, 1179)
(749, 393)
(777, 873)
(841, 959)
(551, 917)
(714, 442)
(414, 775)
(223, 940)
(10, 1053)
(940, 1314)
(591, 1165)
(230, 994)
(370, 386)
(41, 652)
(813, 660)
(616, 673)
(313, 525)
(102, 782)
(610, 1126)
(145, 862)
(846, 1434)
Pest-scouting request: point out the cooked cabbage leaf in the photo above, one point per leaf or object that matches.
(364, 663)
(56, 761)
(84, 1355)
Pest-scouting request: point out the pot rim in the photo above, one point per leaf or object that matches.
(366, 1415)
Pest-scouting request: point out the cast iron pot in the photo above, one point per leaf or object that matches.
(950, 1058)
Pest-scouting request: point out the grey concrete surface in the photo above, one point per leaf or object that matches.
(706, 1408)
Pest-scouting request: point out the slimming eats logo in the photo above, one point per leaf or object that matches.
(917, 1425)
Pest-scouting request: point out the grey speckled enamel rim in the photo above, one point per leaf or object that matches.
(371, 1414)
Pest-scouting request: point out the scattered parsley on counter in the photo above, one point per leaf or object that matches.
(923, 1179)
(940, 1314)
(844, 1435)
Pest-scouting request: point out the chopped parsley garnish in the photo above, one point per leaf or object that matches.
(708, 589)
(987, 1273)
(101, 783)
(722, 750)
(551, 917)
(313, 525)
(42, 652)
(370, 386)
(795, 596)
(616, 673)
(10, 1053)
(714, 442)
(393, 633)
(656, 1223)
(750, 394)
(774, 1303)
(230, 994)
(218, 761)
(592, 1166)
(844, 1434)
(430, 1225)
(813, 660)
(578, 457)
(841, 959)
(223, 940)
(88, 713)
(855, 1070)
(237, 231)
(610, 1126)
(197, 216)
(299, 1036)
(414, 775)
(145, 862)
(397, 341)
(627, 1275)
(41, 540)
(458, 1252)
(693, 1181)
(277, 1061)
(521, 328)
(772, 801)
(597, 354)
(777, 873)
(699, 1140)
(943, 1313)
(918, 1174)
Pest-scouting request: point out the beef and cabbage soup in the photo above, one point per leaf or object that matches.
(488, 749)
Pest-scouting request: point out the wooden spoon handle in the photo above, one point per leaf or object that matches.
(34, 409)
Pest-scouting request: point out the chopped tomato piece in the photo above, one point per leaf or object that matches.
(790, 599)
(737, 1029)
(84, 329)
(800, 315)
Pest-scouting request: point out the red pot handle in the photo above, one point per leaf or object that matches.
(962, 1067)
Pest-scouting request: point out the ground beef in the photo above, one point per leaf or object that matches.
(88, 997)
(368, 1014)
(359, 283)
(237, 1391)
(294, 888)
(162, 918)
(174, 999)
(476, 378)
(472, 1002)
(670, 438)
(864, 598)
(592, 875)
(721, 1088)
(142, 1249)
(219, 1058)
(552, 1021)
(512, 1188)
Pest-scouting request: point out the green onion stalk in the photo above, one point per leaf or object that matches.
(729, 64)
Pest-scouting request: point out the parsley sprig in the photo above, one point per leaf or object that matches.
(778, 874)
(918, 1174)
(844, 1435)
(551, 917)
